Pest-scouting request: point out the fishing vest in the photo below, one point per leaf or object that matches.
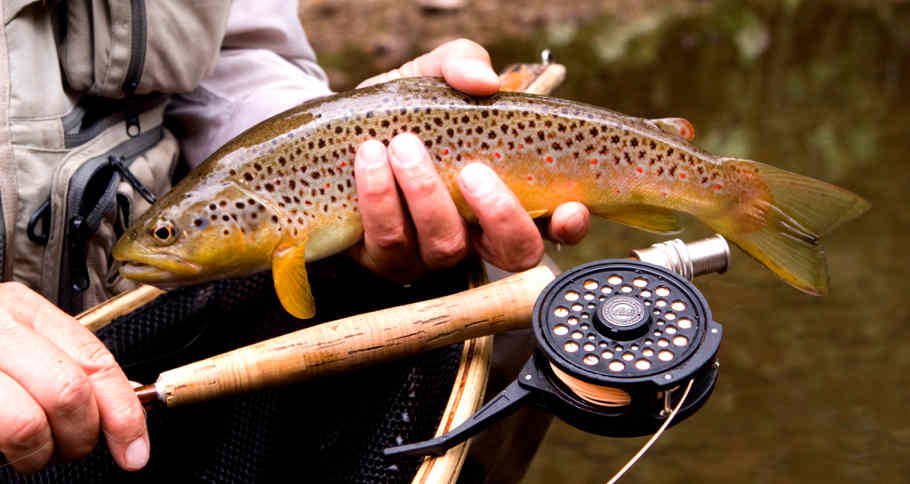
(83, 89)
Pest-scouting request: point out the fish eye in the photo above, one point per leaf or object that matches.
(164, 232)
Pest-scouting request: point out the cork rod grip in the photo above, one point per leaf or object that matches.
(359, 340)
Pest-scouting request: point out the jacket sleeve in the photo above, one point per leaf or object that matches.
(266, 66)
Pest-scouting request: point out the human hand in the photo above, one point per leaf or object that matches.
(429, 233)
(60, 386)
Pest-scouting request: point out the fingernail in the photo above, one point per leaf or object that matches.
(406, 150)
(137, 454)
(370, 154)
(477, 179)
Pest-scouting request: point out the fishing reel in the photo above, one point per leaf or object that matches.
(619, 344)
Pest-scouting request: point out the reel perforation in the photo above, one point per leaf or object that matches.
(653, 322)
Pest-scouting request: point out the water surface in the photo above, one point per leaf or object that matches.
(812, 389)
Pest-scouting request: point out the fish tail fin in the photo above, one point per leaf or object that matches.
(795, 213)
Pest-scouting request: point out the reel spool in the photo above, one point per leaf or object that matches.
(618, 341)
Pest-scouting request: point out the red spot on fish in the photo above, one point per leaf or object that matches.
(342, 164)
(594, 161)
(682, 176)
(549, 159)
(445, 152)
(717, 186)
(639, 169)
(327, 185)
(530, 178)
(468, 144)
(663, 194)
(498, 155)
(521, 146)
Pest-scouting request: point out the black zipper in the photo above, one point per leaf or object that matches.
(98, 179)
(138, 38)
(119, 111)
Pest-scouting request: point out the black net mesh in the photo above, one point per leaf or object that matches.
(327, 430)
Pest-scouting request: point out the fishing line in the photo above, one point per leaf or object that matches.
(598, 395)
(9, 463)
(654, 437)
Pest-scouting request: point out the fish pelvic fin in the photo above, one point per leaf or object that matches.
(291, 283)
(645, 217)
(796, 213)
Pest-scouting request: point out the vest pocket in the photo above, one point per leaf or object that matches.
(93, 193)
(117, 49)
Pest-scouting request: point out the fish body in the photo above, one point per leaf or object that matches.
(283, 193)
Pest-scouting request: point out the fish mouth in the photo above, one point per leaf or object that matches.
(159, 268)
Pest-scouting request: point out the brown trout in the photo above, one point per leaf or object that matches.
(282, 193)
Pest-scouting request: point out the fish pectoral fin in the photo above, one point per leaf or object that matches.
(538, 213)
(291, 284)
(677, 126)
(652, 219)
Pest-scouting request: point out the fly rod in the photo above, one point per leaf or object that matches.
(395, 333)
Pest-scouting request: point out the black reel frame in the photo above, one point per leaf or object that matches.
(616, 323)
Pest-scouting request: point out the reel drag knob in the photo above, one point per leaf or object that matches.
(616, 340)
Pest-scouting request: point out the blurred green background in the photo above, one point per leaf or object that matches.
(811, 389)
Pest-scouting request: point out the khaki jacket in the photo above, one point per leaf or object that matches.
(91, 94)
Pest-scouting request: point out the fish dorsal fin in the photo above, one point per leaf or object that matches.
(652, 219)
(291, 284)
(677, 126)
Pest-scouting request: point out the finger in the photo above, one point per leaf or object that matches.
(464, 64)
(114, 402)
(569, 224)
(509, 240)
(389, 245)
(25, 436)
(441, 233)
(55, 382)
